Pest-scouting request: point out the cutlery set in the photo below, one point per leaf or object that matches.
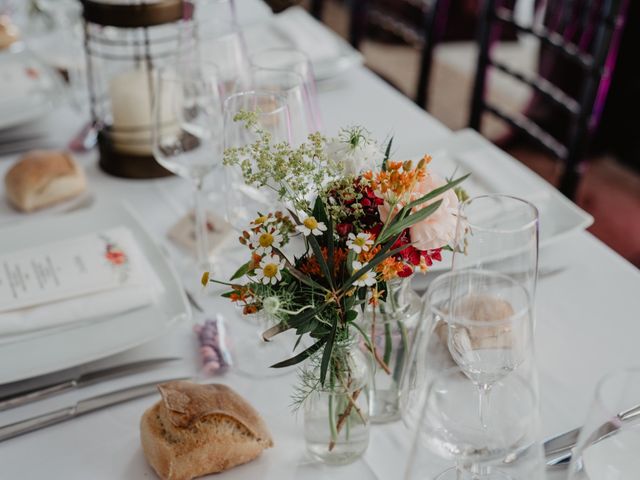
(83, 406)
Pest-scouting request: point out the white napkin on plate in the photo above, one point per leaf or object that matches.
(307, 34)
(140, 289)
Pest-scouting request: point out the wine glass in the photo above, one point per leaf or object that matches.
(453, 434)
(609, 441)
(290, 85)
(499, 233)
(489, 328)
(216, 38)
(187, 132)
(292, 60)
(242, 201)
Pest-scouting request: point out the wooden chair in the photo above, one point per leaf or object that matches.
(586, 32)
(431, 24)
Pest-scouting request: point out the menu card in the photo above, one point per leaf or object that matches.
(79, 266)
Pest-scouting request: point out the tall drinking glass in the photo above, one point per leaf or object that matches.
(188, 132)
(292, 60)
(452, 444)
(499, 233)
(609, 441)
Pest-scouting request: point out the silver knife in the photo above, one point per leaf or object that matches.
(557, 450)
(83, 380)
(83, 406)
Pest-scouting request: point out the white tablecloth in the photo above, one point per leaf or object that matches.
(587, 324)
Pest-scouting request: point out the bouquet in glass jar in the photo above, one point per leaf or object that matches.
(352, 222)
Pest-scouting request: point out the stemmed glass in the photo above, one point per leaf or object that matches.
(292, 60)
(499, 233)
(489, 328)
(290, 85)
(214, 36)
(242, 204)
(187, 132)
(452, 433)
(609, 441)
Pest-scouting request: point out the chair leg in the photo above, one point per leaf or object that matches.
(570, 180)
(317, 7)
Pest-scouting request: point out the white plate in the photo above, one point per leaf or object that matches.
(60, 349)
(494, 171)
(29, 89)
(275, 33)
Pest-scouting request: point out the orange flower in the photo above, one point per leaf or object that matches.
(249, 309)
(389, 268)
(400, 178)
(375, 297)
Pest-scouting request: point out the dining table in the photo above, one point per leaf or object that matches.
(587, 321)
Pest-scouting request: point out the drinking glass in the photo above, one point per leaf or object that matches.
(460, 447)
(242, 204)
(609, 441)
(213, 36)
(290, 85)
(499, 233)
(242, 201)
(187, 132)
(489, 329)
(292, 60)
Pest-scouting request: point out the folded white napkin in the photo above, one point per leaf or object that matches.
(307, 34)
(140, 288)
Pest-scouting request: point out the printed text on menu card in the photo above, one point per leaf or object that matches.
(62, 270)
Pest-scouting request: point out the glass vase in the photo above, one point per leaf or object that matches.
(336, 416)
(390, 326)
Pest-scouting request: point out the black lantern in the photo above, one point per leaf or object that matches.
(125, 42)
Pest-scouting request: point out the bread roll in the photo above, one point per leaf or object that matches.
(41, 178)
(8, 32)
(200, 429)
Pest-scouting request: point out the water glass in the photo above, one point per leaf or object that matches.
(499, 233)
(609, 441)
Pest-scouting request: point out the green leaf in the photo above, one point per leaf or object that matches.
(435, 192)
(227, 294)
(241, 271)
(351, 315)
(380, 257)
(328, 349)
(302, 355)
(315, 246)
(387, 154)
(400, 225)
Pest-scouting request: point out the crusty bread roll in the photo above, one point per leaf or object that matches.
(200, 429)
(8, 32)
(41, 178)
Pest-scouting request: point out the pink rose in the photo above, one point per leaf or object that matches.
(439, 228)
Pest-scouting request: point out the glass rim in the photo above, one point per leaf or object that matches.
(533, 222)
(609, 376)
(282, 105)
(445, 315)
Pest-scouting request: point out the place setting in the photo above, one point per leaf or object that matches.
(206, 275)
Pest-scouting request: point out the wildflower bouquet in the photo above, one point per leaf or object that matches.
(352, 221)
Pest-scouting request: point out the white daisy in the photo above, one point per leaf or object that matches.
(311, 226)
(360, 243)
(367, 279)
(263, 220)
(269, 271)
(263, 242)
